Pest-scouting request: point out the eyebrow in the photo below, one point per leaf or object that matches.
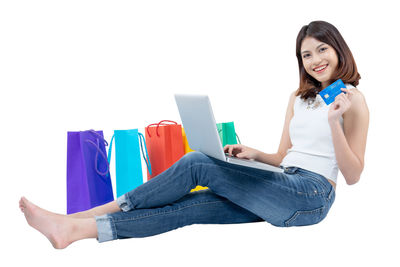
(317, 48)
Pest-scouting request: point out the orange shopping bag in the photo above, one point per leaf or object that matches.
(164, 145)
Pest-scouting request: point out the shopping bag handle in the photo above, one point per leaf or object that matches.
(158, 125)
(109, 149)
(146, 159)
(98, 151)
(100, 136)
(237, 136)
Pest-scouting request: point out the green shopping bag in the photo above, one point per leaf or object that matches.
(227, 133)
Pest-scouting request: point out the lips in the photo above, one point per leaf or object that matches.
(320, 68)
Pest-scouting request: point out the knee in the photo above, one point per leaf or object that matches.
(195, 157)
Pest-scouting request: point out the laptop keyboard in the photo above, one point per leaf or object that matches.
(238, 159)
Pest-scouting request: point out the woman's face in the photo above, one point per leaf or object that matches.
(320, 60)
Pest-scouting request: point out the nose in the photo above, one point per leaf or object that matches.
(317, 60)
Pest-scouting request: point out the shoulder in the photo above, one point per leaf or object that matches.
(357, 95)
(290, 107)
(292, 99)
(358, 99)
(358, 104)
(293, 96)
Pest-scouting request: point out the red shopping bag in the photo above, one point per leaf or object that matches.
(164, 145)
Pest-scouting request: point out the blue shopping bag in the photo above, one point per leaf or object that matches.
(128, 163)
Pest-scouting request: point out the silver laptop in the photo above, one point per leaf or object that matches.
(202, 134)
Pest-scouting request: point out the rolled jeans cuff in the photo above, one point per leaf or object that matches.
(105, 228)
(124, 203)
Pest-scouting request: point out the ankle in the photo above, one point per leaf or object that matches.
(82, 214)
(82, 229)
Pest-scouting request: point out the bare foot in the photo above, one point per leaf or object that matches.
(55, 227)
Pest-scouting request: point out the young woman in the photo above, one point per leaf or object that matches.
(317, 141)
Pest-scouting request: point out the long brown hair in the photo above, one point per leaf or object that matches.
(346, 69)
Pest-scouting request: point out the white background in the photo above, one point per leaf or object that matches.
(105, 65)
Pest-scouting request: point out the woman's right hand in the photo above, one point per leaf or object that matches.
(241, 151)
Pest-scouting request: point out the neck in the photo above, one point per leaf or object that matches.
(324, 84)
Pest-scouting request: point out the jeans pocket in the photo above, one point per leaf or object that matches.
(306, 217)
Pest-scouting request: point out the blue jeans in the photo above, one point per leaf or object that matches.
(236, 194)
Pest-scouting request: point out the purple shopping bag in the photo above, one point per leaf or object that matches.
(88, 177)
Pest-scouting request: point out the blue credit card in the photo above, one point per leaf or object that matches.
(332, 91)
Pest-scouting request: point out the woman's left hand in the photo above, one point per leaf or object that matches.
(341, 104)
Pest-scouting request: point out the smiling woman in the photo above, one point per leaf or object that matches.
(323, 57)
(312, 140)
(326, 139)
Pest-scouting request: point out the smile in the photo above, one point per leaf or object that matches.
(319, 69)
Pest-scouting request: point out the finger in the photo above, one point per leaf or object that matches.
(241, 155)
(343, 98)
(342, 103)
(349, 92)
(350, 95)
(347, 99)
(226, 148)
(230, 150)
(338, 97)
(338, 103)
(236, 149)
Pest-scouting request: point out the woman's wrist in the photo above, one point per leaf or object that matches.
(257, 155)
(271, 159)
(333, 121)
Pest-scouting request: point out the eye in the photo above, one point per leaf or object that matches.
(322, 49)
(306, 55)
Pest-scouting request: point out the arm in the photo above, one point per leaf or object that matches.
(350, 142)
(275, 159)
(285, 143)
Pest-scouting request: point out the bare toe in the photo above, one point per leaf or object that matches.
(51, 225)
(22, 204)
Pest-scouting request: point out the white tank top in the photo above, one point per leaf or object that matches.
(311, 138)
